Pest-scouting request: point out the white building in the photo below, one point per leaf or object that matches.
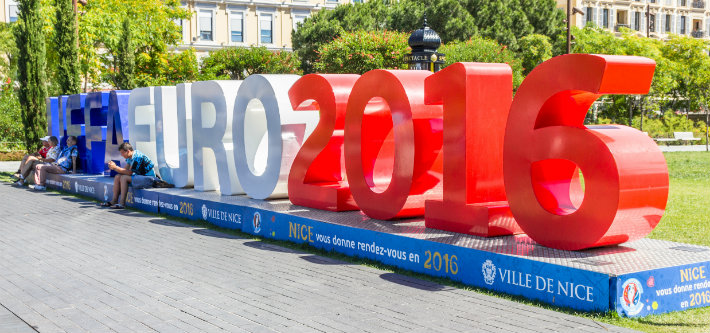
(660, 17)
(219, 23)
(9, 11)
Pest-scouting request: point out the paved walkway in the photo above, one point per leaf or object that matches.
(68, 266)
(682, 148)
(9, 166)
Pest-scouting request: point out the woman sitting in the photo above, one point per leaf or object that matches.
(30, 158)
(138, 171)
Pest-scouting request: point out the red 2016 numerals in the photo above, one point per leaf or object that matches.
(393, 157)
(316, 178)
(625, 174)
(476, 99)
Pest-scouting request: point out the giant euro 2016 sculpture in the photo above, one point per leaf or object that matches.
(453, 146)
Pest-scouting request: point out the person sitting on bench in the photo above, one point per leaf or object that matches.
(28, 165)
(138, 171)
(66, 162)
(30, 158)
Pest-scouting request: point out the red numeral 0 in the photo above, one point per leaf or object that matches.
(417, 131)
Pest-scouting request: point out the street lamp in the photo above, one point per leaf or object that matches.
(570, 11)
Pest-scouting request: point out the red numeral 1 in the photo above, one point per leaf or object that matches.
(316, 177)
(476, 98)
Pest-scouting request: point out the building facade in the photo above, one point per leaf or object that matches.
(9, 11)
(222, 23)
(215, 24)
(657, 18)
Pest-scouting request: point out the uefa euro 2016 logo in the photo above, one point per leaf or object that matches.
(204, 212)
(631, 297)
(489, 272)
(256, 222)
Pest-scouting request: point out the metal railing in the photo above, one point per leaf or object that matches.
(698, 33)
(698, 4)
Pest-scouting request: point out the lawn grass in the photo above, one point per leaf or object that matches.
(687, 220)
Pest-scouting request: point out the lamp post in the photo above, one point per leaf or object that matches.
(570, 11)
(424, 43)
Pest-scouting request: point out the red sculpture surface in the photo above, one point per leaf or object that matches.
(476, 99)
(316, 177)
(625, 176)
(391, 151)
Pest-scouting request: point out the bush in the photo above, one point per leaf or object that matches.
(11, 129)
(664, 126)
(236, 63)
(361, 51)
(534, 49)
(480, 49)
(166, 68)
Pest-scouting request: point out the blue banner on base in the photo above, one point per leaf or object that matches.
(662, 290)
(634, 294)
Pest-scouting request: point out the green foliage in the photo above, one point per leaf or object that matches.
(167, 69)
(481, 49)
(125, 59)
(8, 49)
(362, 51)
(31, 71)
(67, 49)
(534, 50)
(153, 31)
(664, 126)
(236, 63)
(11, 129)
(506, 21)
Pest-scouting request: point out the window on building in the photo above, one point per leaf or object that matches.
(12, 12)
(590, 12)
(637, 20)
(605, 17)
(205, 22)
(266, 28)
(683, 3)
(236, 27)
(652, 22)
(298, 19)
(668, 22)
(682, 25)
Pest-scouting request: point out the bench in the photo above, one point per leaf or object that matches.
(679, 136)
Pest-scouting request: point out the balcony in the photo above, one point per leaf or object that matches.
(619, 26)
(698, 4)
(698, 33)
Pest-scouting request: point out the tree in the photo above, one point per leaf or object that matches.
(454, 20)
(8, 50)
(31, 71)
(125, 59)
(65, 44)
(481, 49)
(534, 50)
(236, 63)
(362, 51)
(153, 30)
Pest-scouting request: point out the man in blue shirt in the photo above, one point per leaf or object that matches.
(138, 171)
(66, 162)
